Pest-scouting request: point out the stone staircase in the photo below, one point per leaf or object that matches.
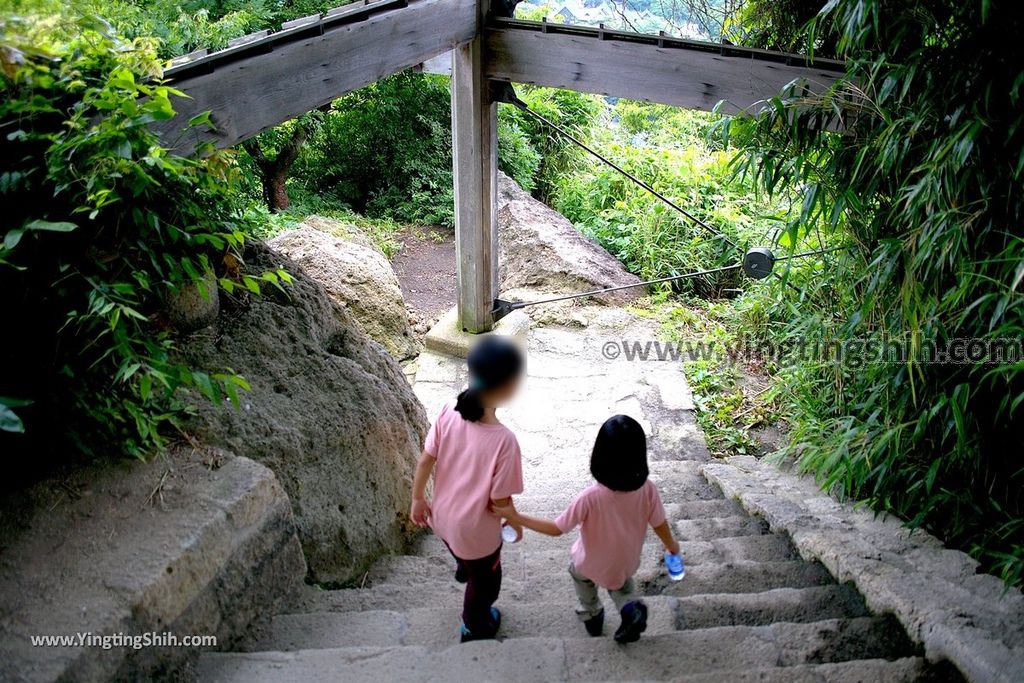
(748, 609)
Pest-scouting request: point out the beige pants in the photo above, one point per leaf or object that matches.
(590, 603)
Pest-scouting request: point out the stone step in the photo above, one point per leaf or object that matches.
(541, 555)
(674, 487)
(662, 657)
(741, 577)
(799, 605)
(719, 527)
(433, 584)
(906, 670)
(552, 506)
(737, 648)
(567, 478)
(437, 627)
(433, 626)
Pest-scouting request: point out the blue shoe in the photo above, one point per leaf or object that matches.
(674, 565)
(466, 636)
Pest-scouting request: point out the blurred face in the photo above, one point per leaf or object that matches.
(503, 394)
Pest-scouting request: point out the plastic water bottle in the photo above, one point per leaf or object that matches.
(508, 534)
(674, 565)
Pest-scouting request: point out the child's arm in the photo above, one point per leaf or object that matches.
(542, 526)
(664, 532)
(420, 510)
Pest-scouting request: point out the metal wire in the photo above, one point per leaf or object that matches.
(640, 183)
(509, 96)
(504, 307)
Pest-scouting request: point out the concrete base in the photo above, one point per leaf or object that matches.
(447, 336)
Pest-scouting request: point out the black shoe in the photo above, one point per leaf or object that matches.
(595, 624)
(634, 622)
(460, 573)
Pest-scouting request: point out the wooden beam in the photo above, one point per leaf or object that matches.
(660, 69)
(262, 82)
(475, 156)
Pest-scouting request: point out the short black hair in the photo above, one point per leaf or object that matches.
(492, 363)
(619, 460)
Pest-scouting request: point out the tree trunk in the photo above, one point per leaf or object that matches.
(273, 173)
(276, 192)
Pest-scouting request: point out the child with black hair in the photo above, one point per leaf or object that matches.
(477, 465)
(613, 516)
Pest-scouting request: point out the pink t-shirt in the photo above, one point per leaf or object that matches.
(476, 462)
(613, 525)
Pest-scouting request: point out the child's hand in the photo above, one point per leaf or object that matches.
(673, 547)
(504, 508)
(518, 529)
(420, 512)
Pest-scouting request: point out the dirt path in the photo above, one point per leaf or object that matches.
(426, 272)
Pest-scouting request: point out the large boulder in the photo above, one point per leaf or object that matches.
(330, 412)
(543, 252)
(356, 275)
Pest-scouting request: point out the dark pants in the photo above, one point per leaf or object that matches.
(483, 584)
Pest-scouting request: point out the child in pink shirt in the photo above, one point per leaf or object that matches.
(613, 516)
(476, 464)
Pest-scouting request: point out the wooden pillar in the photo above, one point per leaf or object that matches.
(475, 152)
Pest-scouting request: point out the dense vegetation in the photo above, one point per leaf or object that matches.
(925, 182)
(102, 227)
(917, 190)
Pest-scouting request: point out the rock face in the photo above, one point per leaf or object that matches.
(330, 412)
(356, 275)
(194, 305)
(542, 251)
(197, 542)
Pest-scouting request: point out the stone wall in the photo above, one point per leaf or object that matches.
(190, 543)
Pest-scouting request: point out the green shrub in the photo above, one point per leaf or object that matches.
(101, 226)
(669, 149)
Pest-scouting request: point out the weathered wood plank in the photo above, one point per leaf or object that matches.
(278, 82)
(682, 73)
(475, 157)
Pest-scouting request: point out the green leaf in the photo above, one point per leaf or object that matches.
(251, 284)
(12, 238)
(202, 119)
(10, 422)
(50, 226)
(145, 387)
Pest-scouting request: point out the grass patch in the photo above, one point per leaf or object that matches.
(733, 398)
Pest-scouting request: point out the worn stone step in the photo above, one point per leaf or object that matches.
(741, 577)
(540, 555)
(668, 656)
(719, 527)
(565, 478)
(437, 627)
(419, 585)
(906, 670)
(552, 506)
(738, 648)
(799, 605)
(677, 482)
